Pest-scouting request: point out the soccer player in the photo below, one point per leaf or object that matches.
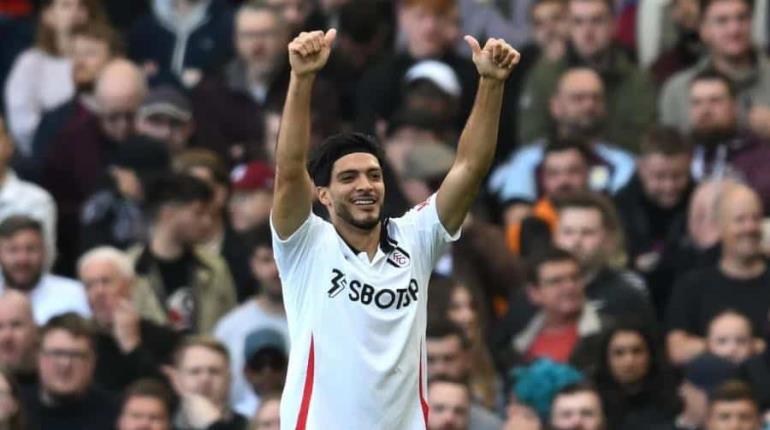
(355, 288)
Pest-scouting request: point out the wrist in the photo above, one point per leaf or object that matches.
(303, 77)
(491, 81)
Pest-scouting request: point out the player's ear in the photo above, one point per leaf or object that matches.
(323, 195)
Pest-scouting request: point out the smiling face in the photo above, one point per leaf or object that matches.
(356, 191)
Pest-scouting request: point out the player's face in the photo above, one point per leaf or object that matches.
(449, 406)
(736, 415)
(356, 191)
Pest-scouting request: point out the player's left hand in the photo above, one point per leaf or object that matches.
(495, 60)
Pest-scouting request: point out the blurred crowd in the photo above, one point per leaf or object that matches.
(612, 275)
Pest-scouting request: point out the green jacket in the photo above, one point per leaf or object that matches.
(212, 289)
(629, 98)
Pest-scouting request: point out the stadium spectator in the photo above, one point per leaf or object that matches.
(739, 281)
(636, 389)
(220, 238)
(268, 415)
(201, 377)
(12, 416)
(94, 44)
(733, 406)
(128, 346)
(178, 41)
(431, 30)
(294, 12)
(192, 288)
(252, 196)
(18, 337)
(448, 356)
(687, 47)
(231, 101)
(266, 358)
(449, 405)
(66, 397)
(723, 147)
(147, 405)
(730, 336)
(725, 28)
(564, 326)
(577, 406)
(166, 115)
(22, 260)
(40, 78)
(86, 147)
(112, 215)
(628, 90)
(578, 109)
(653, 210)
(260, 311)
(19, 197)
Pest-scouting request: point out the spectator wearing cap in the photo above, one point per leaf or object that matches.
(233, 99)
(627, 89)
(580, 107)
(22, 260)
(180, 41)
(266, 358)
(252, 196)
(221, 238)
(112, 215)
(702, 377)
(191, 287)
(86, 147)
(262, 311)
(433, 86)
(128, 346)
(166, 115)
(739, 281)
(431, 29)
(19, 197)
(94, 44)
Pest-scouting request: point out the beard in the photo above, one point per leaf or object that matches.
(366, 225)
(18, 284)
(587, 128)
(711, 137)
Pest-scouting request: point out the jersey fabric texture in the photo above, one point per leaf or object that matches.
(357, 327)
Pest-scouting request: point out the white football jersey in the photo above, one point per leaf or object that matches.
(357, 327)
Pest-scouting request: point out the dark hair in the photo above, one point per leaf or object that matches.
(548, 255)
(705, 4)
(664, 140)
(592, 200)
(259, 236)
(205, 158)
(711, 74)
(72, 323)
(577, 388)
(45, 38)
(152, 388)
(657, 385)
(440, 328)
(102, 31)
(175, 188)
(18, 420)
(563, 144)
(733, 390)
(18, 223)
(335, 147)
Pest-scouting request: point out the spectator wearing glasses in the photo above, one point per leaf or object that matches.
(66, 398)
(87, 146)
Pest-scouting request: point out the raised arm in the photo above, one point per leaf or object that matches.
(479, 138)
(293, 193)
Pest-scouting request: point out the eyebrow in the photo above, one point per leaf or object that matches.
(369, 170)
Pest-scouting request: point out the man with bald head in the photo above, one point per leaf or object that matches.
(18, 336)
(740, 281)
(578, 108)
(87, 145)
(128, 347)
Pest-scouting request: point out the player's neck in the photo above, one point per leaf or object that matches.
(359, 239)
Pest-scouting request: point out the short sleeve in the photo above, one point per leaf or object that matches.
(422, 224)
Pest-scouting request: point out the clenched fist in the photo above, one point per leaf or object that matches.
(495, 60)
(309, 52)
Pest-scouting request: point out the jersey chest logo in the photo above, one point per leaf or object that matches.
(368, 295)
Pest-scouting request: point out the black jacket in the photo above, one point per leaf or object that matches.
(96, 410)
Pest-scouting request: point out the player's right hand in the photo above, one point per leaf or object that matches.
(309, 52)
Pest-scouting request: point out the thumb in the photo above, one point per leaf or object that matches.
(474, 44)
(330, 36)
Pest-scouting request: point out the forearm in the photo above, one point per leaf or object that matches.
(294, 135)
(683, 347)
(478, 141)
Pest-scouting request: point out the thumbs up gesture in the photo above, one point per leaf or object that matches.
(309, 52)
(495, 60)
